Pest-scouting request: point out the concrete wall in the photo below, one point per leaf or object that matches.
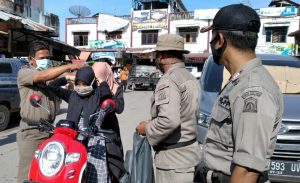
(7, 5)
(202, 39)
(37, 11)
(137, 38)
(126, 36)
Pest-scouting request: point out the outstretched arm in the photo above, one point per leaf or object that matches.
(52, 73)
(55, 87)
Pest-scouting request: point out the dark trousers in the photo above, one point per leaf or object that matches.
(124, 84)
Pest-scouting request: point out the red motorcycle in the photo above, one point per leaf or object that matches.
(62, 157)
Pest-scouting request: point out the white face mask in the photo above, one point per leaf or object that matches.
(43, 64)
(84, 91)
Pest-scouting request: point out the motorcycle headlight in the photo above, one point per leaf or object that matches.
(52, 158)
(203, 120)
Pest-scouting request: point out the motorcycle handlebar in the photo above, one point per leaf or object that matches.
(108, 105)
(33, 123)
(42, 125)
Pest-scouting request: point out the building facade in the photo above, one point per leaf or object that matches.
(276, 24)
(149, 19)
(22, 21)
(135, 34)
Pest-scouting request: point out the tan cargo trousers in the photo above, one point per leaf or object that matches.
(175, 176)
(28, 142)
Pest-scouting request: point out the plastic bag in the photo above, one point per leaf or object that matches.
(138, 162)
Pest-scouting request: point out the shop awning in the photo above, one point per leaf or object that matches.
(2, 32)
(281, 24)
(7, 16)
(111, 23)
(61, 46)
(187, 26)
(23, 38)
(196, 57)
(140, 50)
(28, 24)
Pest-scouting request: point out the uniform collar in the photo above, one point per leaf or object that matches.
(246, 68)
(175, 66)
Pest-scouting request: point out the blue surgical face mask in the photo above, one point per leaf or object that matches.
(43, 64)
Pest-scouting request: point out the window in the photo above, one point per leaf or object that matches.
(268, 36)
(189, 34)
(114, 35)
(81, 38)
(276, 34)
(5, 68)
(149, 37)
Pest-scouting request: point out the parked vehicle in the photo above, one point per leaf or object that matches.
(285, 162)
(9, 93)
(194, 71)
(63, 157)
(144, 77)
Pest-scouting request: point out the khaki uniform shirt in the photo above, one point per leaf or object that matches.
(174, 108)
(26, 89)
(245, 120)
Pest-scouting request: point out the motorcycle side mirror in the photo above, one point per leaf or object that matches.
(108, 105)
(35, 100)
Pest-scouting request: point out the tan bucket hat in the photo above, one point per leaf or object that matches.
(168, 42)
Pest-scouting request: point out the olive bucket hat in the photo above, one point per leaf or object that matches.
(169, 42)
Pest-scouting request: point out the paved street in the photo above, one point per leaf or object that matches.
(137, 108)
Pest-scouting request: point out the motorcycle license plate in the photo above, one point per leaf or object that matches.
(284, 168)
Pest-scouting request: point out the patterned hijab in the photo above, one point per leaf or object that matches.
(104, 72)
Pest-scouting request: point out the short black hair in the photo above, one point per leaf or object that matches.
(172, 54)
(36, 46)
(241, 40)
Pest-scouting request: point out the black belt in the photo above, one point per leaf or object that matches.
(219, 177)
(165, 146)
(29, 121)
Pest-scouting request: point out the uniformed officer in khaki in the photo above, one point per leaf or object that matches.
(247, 113)
(31, 80)
(175, 102)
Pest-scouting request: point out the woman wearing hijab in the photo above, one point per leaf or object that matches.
(84, 101)
(87, 96)
(103, 72)
(114, 148)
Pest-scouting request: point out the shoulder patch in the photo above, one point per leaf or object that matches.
(251, 93)
(250, 105)
(224, 102)
(162, 93)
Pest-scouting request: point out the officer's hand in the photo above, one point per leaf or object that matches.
(140, 129)
(77, 66)
(70, 77)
